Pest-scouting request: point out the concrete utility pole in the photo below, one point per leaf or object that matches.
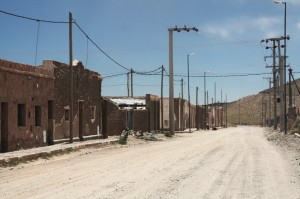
(239, 111)
(189, 96)
(262, 110)
(226, 112)
(221, 108)
(131, 72)
(181, 107)
(274, 85)
(181, 82)
(205, 101)
(171, 75)
(270, 97)
(162, 99)
(215, 105)
(282, 85)
(284, 66)
(71, 77)
(197, 122)
(128, 87)
(171, 85)
(281, 88)
(290, 89)
(207, 119)
(284, 69)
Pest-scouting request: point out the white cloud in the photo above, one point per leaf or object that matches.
(295, 2)
(268, 26)
(298, 25)
(237, 27)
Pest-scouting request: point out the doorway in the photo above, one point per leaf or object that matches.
(4, 127)
(80, 107)
(130, 119)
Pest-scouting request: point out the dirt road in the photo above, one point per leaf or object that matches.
(228, 163)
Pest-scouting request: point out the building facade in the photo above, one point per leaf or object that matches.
(26, 97)
(135, 113)
(86, 118)
(35, 104)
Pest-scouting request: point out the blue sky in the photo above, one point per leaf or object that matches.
(134, 33)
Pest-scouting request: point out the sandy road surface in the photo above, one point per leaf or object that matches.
(228, 163)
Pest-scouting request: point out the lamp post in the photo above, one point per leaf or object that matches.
(204, 79)
(284, 64)
(171, 75)
(189, 97)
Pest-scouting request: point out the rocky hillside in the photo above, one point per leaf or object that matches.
(254, 109)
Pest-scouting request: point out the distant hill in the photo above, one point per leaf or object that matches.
(253, 109)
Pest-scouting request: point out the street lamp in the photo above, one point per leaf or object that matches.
(284, 64)
(205, 102)
(189, 98)
(171, 75)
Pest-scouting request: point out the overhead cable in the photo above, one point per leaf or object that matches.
(32, 19)
(65, 22)
(142, 73)
(116, 75)
(100, 48)
(230, 75)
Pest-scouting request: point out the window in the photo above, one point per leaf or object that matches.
(38, 116)
(67, 114)
(93, 112)
(21, 115)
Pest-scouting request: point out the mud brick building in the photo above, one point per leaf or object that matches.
(86, 101)
(26, 97)
(181, 115)
(138, 113)
(215, 115)
(35, 108)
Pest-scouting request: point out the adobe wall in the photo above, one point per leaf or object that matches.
(33, 87)
(114, 120)
(153, 108)
(86, 89)
(141, 120)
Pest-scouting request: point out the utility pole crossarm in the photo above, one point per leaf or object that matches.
(183, 29)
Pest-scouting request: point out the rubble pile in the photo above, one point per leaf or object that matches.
(145, 136)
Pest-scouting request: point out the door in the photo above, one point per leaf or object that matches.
(130, 119)
(80, 107)
(4, 127)
(50, 123)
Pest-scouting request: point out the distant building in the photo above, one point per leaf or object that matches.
(181, 115)
(136, 113)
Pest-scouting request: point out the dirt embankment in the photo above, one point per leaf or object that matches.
(289, 144)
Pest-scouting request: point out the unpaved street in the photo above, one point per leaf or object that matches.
(228, 163)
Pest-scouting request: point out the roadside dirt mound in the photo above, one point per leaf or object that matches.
(289, 144)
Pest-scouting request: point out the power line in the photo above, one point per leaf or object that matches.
(166, 72)
(149, 85)
(213, 76)
(149, 72)
(226, 40)
(65, 22)
(33, 19)
(230, 75)
(100, 48)
(116, 75)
